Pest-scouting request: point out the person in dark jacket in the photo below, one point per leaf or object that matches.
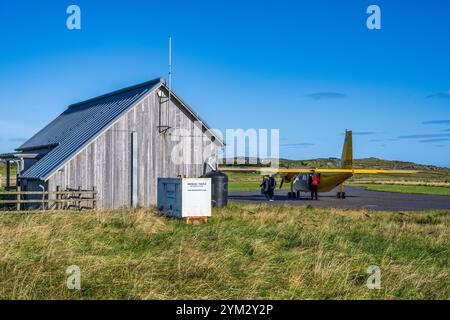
(265, 187)
(272, 186)
(314, 181)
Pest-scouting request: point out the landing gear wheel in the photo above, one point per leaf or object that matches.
(298, 194)
(343, 195)
(338, 195)
(293, 195)
(289, 195)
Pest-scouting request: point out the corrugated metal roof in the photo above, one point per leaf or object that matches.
(80, 123)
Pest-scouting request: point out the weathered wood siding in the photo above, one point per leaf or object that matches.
(106, 162)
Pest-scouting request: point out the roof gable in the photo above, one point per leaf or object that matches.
(79, 124)
(80, 114)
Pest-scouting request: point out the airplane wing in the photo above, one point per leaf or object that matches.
(319, 170)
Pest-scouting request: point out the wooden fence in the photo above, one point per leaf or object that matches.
(56, 200)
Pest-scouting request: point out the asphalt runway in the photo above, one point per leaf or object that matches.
(356, 198)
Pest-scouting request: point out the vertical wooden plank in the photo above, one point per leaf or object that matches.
(143, 166)
(89, 161)
(153, 105)
(136, 153)
(142, 153)
(134, 168)
(148, 138)
(94, 197)
(125, 156)
(115, 198)
(80, 195)
(117, 168)
(155, 143)
(18, 198)
(58, 198)
(100, 180)
(108, 196)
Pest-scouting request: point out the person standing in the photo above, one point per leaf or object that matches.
(272, 186)
(314, 185)
(265, 187)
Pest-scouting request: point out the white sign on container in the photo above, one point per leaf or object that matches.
(184, 197)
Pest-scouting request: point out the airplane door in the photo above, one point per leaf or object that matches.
(302, 182)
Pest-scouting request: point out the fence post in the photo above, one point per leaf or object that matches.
(67, 196)
(58, 204)
(18, 198)
(79, 198)
(94, 196)
(8, 177)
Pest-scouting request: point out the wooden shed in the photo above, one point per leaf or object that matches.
(120, 143)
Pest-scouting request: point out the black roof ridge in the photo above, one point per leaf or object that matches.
(120, 91)
(42, 146)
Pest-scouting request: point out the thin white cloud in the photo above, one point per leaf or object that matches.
(326, 95)
(363, 133)
(440, 95)
(436, 122)
(297, 145)
(424, 136)
(434, 140)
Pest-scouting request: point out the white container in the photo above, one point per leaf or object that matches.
(184, 197)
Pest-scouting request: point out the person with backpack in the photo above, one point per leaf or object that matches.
(265, 187)
(272, 186)
(314, 185)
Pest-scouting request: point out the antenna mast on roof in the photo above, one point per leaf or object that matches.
(169, 77)
(164, 127)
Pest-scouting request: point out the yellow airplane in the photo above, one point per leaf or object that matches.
(299, 179)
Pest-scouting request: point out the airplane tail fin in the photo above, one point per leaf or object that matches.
(347, 151)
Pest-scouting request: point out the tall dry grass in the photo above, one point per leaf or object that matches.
(243, 252)
(425, 183)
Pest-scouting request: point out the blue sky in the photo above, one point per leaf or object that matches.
(310, 68)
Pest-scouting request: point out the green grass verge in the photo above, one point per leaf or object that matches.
(234, 186)
(243, 252)
(3, 169)
(407, 189)
(244, 185)
(247, 181)
(249, 185)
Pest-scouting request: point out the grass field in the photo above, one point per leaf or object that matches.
(3, 169)
(249, 185)
(445, 191)
(247, 181)
(423, 184)
(245, 185)
(428, 175)
(3, 175)
(237, 183)
(243, 252)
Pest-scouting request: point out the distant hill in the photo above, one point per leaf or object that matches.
(426, 172)
(374, 163)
